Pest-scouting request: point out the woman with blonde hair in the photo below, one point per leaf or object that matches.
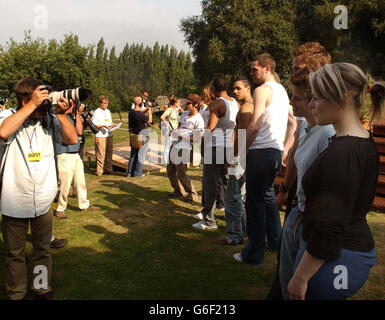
(337, 250)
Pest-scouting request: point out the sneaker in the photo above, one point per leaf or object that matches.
(238, 257)
(224, 242)
(60, 214)
(202, 226)
(58, 243)
(198, 216)
(92, 208)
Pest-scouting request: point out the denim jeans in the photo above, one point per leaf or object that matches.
(137, 156)
(211, 175)
(262, 215)
(325, 283)
(289, 249)
(235, 214)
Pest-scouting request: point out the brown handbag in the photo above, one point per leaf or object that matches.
(136, 141)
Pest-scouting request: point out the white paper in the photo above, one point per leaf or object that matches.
(116, 127)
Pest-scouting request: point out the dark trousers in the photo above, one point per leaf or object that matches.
(275, 292)
(212, 174)
(262, 215)
(15, 234)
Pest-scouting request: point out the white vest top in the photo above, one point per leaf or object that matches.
(223, 133)
(274, 120)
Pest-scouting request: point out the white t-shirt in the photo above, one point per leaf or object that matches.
(102, 117)
(205, 113)
(187, 127)
(274, 120)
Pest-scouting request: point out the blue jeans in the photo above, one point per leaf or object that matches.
(357, 265)
(137, 156)
(289, 250)
(262, 215)
(234, 208)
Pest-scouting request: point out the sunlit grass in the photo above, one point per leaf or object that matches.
(141, 245)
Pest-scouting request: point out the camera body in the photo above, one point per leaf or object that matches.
(150, 104)
(78, 94)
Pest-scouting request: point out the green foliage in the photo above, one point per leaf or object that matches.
(67, 64)
(363, 43)
(230, 33)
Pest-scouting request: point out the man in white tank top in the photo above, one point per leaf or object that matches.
(264, 142)
(218, 137)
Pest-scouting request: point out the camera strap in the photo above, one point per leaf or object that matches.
(54, 150)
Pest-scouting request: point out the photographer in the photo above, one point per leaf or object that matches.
(103, 139)
(28, 167)
(145, 103)
(137, 124)
(71, 168)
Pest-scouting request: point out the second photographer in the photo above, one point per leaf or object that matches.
(71, 168)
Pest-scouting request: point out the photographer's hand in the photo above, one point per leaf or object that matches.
(81, 109)
(38, 96)
(13, 122)
(63, 106)
(69, 134)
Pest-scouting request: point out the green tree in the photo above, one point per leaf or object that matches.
(230, 33)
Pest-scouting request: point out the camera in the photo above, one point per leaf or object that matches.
(2, 100)
(87, 121)
(150, 104)
(78, 94)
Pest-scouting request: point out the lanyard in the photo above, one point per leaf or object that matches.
(30, 139)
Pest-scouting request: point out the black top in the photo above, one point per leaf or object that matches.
(137, 121)
(340, 186)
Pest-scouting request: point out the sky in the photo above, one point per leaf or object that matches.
(117, 21)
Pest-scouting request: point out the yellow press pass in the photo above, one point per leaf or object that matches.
(34, 156)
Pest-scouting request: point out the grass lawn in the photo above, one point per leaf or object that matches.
(141, 246)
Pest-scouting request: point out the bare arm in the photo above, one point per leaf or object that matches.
(261, 98)
(13, 122)
(243, 121)
(149, 116)
(308, 266)
(69, 134)
(290, 132)
(78, 121)
(215, 114)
